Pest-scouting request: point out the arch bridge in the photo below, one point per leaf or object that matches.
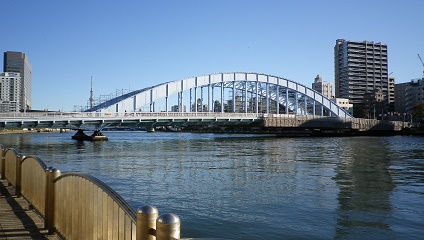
(242, 102)
(234, 92)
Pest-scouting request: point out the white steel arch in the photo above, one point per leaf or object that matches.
(266, 92)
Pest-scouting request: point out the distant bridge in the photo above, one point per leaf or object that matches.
(228, 101)
(234, 92)
(96, 121)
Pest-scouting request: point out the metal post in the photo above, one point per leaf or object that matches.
(47, 202)
(267, 94)
(2, 163)
(210, 96)
(222, 94)
(182, 96)
(212, 101)
(146, 223)
(277, 98)
(257, 94)
(168, 227)
(234, 95)
(18, 183)
(202, 100)
(166, 98)
(287, 100)
(51, 175)
(245, 97)
(191, 99)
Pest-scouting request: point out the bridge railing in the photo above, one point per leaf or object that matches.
(58, 115)
(79, 206)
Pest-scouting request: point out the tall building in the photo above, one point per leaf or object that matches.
(325, 88)
(18, 62)
(10, 92)
(361, 68)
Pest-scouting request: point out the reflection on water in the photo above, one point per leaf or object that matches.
(250, 187)
(365, 185)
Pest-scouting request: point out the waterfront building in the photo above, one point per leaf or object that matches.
(344, 103)
(10, 92)
(325, 88)
(409, 95)
(361, 68)
(374, 104)
(18, 62)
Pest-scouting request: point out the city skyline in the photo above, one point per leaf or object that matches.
(141, 44)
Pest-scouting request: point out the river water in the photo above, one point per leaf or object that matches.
(255, 187)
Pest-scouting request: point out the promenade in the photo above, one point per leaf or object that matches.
(17, 221)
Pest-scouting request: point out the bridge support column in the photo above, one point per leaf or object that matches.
(96, 136)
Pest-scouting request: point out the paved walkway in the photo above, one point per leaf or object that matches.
(16, 220)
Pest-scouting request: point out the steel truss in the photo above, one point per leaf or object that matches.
(228, 92)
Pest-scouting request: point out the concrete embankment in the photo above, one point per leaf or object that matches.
(43, 130)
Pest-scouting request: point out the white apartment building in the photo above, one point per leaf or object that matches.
(10, 92)
(345, 104)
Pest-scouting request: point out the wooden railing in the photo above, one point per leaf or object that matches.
(79, 206)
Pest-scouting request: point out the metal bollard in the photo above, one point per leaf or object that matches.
(51, 175)
(2, 165)
(168, 227)
(18, 181)
(146, 223)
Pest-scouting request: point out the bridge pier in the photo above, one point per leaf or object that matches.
(96, 136)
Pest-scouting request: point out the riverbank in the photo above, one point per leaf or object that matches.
(43, 130)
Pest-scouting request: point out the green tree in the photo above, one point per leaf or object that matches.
(360, 112)
(418, 112)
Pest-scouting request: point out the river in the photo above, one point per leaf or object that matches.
(255, 186)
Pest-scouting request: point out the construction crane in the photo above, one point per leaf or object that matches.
(421, 63)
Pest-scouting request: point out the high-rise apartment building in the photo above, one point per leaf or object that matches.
(10, 92)
(18, 62)
(361, 69)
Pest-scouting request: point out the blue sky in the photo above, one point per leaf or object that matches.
(133, 44)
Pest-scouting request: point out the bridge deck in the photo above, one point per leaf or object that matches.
(16, 220)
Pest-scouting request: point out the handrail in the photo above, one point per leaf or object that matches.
(112, 193)
(91, 204)
(77, 205)
(75, 115)
(33, 187)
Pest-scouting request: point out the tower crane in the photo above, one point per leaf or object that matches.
(421, 63)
